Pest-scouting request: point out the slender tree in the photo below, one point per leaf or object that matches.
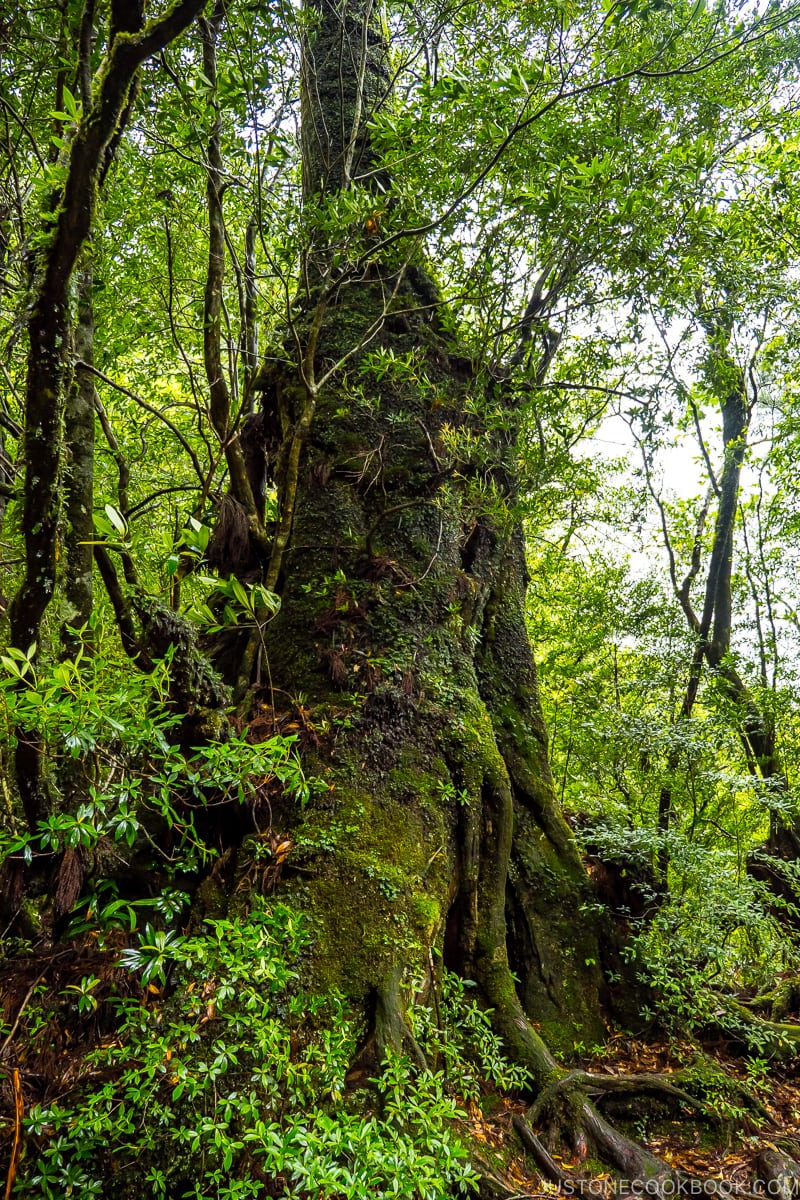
(131, 42)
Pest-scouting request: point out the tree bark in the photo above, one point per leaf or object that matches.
(346, 79)
(79, 474)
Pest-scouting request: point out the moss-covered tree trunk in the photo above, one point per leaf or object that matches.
(432, 834)
(434, 830)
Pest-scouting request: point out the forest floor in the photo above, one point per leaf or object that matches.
(725, 1152)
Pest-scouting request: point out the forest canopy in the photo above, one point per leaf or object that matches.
(399, 635)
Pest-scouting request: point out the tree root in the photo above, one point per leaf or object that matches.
(387, 1030)
(540, 1155)
(563, 1098)
(631, 1160)
(642, 1171)
(391, 1028)
(779, 1039)
(492, 1184)
(598, 1085)
(780, 1173)
(570, 1113)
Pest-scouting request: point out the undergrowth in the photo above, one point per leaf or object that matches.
(223, 1078)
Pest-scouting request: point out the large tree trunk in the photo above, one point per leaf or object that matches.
(402, 577)
(402, 625)
(433, 834)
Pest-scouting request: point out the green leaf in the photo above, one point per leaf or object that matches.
(116, 519)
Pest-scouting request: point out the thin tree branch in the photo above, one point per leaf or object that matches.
(156, 412)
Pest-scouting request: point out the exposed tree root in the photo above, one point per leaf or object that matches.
(391, 1028)
(780, 1173)
(570, 1114)
(591, 1135)
(564, 1098)
(387, 1029)
(540, 1155)
(778, 1038)
(632, 1085)
(630, 1159)
(491, 1184)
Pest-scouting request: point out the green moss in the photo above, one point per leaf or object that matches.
(562, 1035)
(426, 914)
(377, 891)
(471, 739)
(594, 1168)
(210, 901)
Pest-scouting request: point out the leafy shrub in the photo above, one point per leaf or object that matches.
(721, 933)
(232, 1081)
(718, 932)
(135, 778)
(456, 1033)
